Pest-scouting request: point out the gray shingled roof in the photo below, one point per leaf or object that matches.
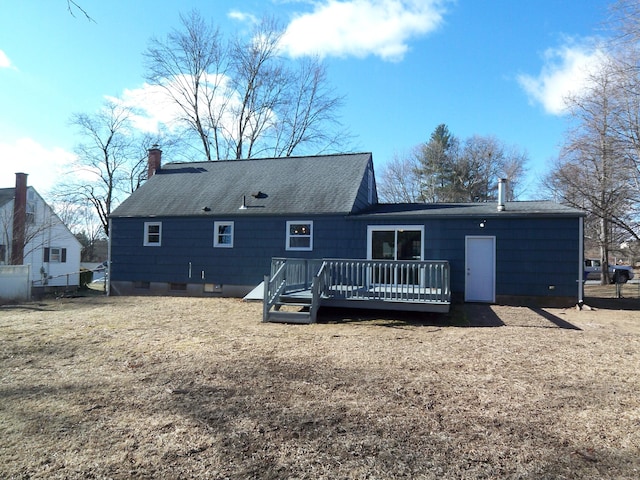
(6, 195)
(489, 209)
(291, 185)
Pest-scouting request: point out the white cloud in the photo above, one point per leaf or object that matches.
(154, 108)
(362, 27)
(242, 16)
(565, 72)
(5, 62)
(44, 166)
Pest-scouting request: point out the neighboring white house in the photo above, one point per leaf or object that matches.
(32, 234)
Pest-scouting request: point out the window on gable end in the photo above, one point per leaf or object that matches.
(55, 255)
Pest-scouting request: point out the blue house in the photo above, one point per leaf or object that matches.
(217, 228)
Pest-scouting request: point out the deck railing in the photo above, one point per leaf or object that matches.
(387, 280)
(288, 275)
(339, 280)
(299, 272)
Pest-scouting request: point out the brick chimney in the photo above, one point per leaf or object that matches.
(154, 162)
(19, 219)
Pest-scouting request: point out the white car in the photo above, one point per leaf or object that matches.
(617, 273)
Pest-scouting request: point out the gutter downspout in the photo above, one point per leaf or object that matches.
(581, 260)
(108, 273)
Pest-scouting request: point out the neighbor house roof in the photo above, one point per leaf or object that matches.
(488, 209)
(325, 184)
(6, 195)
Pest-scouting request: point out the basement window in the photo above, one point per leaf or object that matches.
(300, 236)
(152, 234)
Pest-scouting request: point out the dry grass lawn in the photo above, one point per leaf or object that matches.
(129, 387)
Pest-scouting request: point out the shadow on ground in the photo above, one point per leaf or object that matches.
(474, 315)
(557, 321)
(460, 315)
(604, 303)
(384, 318)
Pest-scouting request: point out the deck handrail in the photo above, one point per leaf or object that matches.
(288, 275)
(388, 280)
(318, 288)
(273, 286)
(334, 279)
(299, 271)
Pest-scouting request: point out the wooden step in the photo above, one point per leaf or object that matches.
(287, 300)
(293, 304)
(289, 317)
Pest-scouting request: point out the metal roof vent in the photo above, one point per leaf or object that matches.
(502, 193)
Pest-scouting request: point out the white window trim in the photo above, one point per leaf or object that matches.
(55, 257)
(396, 228)
(146, 242)
(216, 234)
(289, 236)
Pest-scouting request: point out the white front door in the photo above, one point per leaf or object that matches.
(480, 269)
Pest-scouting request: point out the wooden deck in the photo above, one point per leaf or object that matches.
(374, 284)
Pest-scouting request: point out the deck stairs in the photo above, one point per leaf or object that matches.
(287, 291)
(292, 309)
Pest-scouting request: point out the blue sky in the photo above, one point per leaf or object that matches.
(487, 67)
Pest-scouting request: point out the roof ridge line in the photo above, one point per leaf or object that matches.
(229, 160)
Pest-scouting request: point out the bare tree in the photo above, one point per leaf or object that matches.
(624, 21)
(593, 171)
(445, 169)
(481, 161)
(453, 170)
(72, 7)
(82, 221)
(103, 165)
(190, 66)
(307, 112)
(240, 97)
(399, 180)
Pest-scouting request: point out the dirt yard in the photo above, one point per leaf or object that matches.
(129, 387)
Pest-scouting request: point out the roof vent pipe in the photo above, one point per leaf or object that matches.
(502, 193)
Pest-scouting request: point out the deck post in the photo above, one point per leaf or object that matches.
(315, 299)
(265, 301)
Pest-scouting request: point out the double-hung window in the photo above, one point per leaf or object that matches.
(223, 234)
(152, 234)
(300, 235)
(55, 255)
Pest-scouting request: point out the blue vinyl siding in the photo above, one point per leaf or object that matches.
(362, 198)
(532, 253)
(190, 241)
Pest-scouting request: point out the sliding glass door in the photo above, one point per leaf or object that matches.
(395, 243)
